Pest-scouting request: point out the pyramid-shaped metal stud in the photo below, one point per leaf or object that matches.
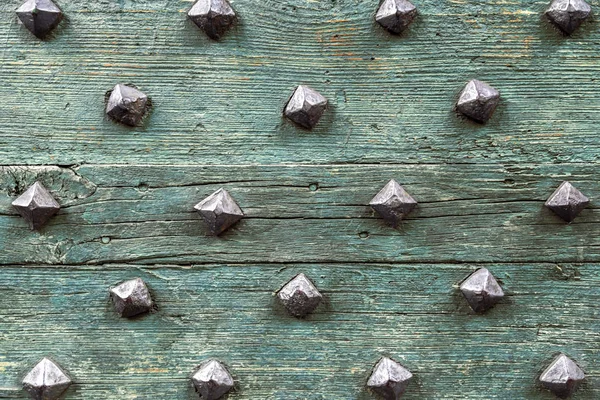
(131, 298)
(306, 106)
(212, 380)
(389, 379)
(46, 381)
(562, 376)
(478, 100)
(36, 205)
(396, 15)
(567, 202)
(127, 105)
(393, 203)
(219, 211)
(299, 296)
(568, 15)
(481, 290)
(214, 17)
(40, 16)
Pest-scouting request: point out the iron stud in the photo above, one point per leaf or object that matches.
(131, 298)
(478, 100)
(393, 203)
(299, 296)
(36, 205)
(219, 211)
(396, 15)
(481, 290)
(127, 105)
(567, 202)
(568, 15)
(389, 379)
(212, 380)
(562, 376)
(46, 381)
(305, 107)
(214, 17)
(40, 16)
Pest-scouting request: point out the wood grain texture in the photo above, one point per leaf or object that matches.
(391, 98)
(142, 214)
(128, 196)
(414, 313)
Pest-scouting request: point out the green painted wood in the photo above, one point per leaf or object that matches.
(414, 313)
(391, 98)
(127, 197)
(142, 214)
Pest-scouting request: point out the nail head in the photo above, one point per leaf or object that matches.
(299, 296)
(46, 381)
(36, 205)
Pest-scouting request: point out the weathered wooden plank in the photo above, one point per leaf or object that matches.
(414, 313)
(391, 98)
(468, 213)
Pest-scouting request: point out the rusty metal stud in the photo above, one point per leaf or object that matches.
(389, 379)
(393, 203)
(481, 290)
(299, 296)
(562, 376)
(212, 380)
(567, 202)
(214, 17)
(131, 298)
(219, 211)
(396, 15)
(46, 381)
(478, 100)
(306, 106)
(36, 205)
(568, 15)
(40, 16)
(127, 105)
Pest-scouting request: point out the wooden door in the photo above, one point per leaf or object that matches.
(127, 197)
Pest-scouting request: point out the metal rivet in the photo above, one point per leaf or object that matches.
(393, 203)
(219, 211)
(389, 379)
(481, 290)
(306, 106)
(562, 376)
(40, 16)
(214, 17)
(299, 296)
(46, 381)
(396, 15)
(36, 205)
(212, 380)
(478, 100)
(131, 298)
(127, 105)
(567, 202)
(568, 15)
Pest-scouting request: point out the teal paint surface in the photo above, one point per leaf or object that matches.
(128, 196)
